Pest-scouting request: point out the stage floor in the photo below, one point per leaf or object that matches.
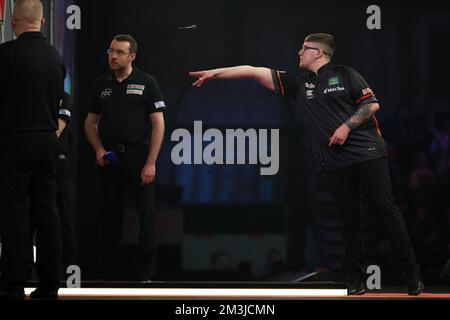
(234, 290)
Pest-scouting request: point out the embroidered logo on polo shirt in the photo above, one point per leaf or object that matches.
(309, 91)
(333, 81)
(335, 89)
(309, 94)
(136, 89)
(139, 92)
(106, 93)
(136, 86)
(159, 104)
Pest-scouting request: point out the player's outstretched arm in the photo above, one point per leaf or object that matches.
(260, 74)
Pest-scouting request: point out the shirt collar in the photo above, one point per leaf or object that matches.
(32, 34)
(326, 67)
(132, 75)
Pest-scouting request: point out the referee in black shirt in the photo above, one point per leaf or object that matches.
(31, 89)
(126, 118)
(339, 107)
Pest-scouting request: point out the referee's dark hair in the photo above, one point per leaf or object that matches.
(327, 40)
(130, 39)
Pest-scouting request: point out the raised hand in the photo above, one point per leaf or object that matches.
(202, 77)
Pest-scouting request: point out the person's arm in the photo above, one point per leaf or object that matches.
(260, 74)
(149, 170)
(64, 114)
(365, 102)
(61, 126)
(62, 123)
(363, 114)
(91, 131)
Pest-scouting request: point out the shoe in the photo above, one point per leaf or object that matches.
(16, 294)
(414, 283)
(355, 285)
(44, 293)
(415, 288)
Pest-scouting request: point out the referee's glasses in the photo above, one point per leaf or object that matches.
(120, 53)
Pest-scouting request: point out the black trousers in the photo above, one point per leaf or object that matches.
(116, 182)
(28, 171)
(372, 179)
(64, 201)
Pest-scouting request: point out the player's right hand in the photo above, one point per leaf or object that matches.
(202, 77)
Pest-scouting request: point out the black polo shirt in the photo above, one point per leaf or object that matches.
(125, 107)
(31, 84)
(328, 99)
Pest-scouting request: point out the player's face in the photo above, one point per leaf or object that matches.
(119, 56)
(308, 53)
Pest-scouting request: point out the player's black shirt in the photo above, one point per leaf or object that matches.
(327, 100)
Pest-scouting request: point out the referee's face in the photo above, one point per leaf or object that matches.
(119, 56)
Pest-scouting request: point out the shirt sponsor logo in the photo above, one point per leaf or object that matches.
(333, 81)
(132, 91)
(64, 112)
(106, 93)
(136, 86)
(159, 104)
(367, 91)
(309, 85)
(309, 94)
(136, 89)
(335, 89)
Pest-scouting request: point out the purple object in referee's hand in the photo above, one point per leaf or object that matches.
(111, 157)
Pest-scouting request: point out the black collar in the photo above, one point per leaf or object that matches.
(32, 34)
(132, 76)
(326, 67)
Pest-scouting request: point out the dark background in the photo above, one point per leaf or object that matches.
(405, 64)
